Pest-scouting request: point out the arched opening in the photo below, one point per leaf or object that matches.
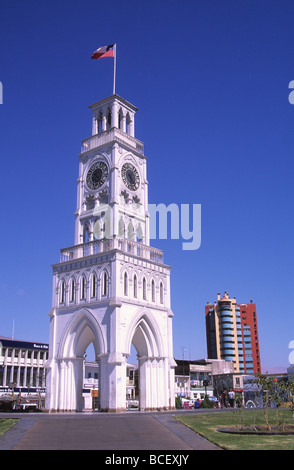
(90, 380)
(62, 292)
(83, 288)
(104, 284)
(108, 119)
(99, 122)
(72, 290)
(135, 286)
(120, 119)
(128, 124)
(86, 235)
(153, 290)
(93, 286)
(144, 289)
(126, 284)
(132, 381)
(121, 228)
(161, 294)
(145, 366)
(130, 231)
(79, 357)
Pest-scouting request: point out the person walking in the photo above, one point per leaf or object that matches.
(231, 396)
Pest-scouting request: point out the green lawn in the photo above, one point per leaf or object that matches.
(207, 424)
(6, 424)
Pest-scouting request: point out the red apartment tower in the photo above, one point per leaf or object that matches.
(232, 333)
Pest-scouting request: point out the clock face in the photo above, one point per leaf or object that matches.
(130, 176)
(97, 175)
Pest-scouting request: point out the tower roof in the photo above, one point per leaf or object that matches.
(111, 99)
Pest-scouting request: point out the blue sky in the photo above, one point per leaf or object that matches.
(210, 80)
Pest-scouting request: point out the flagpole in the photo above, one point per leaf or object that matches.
(114, 69)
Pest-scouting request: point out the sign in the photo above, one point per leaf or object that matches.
(23, 344)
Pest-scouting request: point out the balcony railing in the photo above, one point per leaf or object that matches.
(112, 134)
(103, 246)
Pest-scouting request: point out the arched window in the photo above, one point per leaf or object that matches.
(93, 286)
(125, 284)
(161, 293)
(120, 117)
(62, 293)
(121, 229)
(139, 234)
(83, 288)
(72, 290)
(99, 122)
(130, 231)
(153, 291)
(86, 234)
(135, 286)
(108, 119)
(104, 284)
(144, 289)
(128, 124)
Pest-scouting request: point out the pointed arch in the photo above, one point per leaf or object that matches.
(128, 124)
(81, 330)
(161, 292)
(99, 122)
(93, 285)
(62, 291)
(152, 290)
(135, 286)
(126, 283)
(139, 234)
(86, 233)
(72, 289)
(121, 228)
(145, 335)
(120, 119)
(144, 288)
(104, 283)
(108, 119)
(130, 231)
(83, 284)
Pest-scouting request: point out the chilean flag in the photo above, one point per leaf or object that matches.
(104, 51)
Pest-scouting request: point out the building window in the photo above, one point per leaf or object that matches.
(104, 284)
(72, 290)
(125, 284)
(93, 287)
(144, 289)
(135, 286)
(108, 119)
(62, 292)
(99, 123)
(83, 288)
(161, 293)
(153, 291)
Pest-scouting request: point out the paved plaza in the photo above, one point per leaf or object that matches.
(99, 431)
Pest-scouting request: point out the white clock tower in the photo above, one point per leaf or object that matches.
(111, 288)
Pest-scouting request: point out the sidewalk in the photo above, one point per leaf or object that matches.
(101, 431)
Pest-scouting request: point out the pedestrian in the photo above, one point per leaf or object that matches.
(225, 398)
(231, 396)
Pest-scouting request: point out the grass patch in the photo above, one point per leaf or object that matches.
(6, 424)
(207, 424)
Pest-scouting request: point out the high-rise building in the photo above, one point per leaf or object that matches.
(232, 333)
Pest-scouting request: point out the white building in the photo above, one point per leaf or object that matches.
(195, 379)
(22, 371)
(111, 288)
